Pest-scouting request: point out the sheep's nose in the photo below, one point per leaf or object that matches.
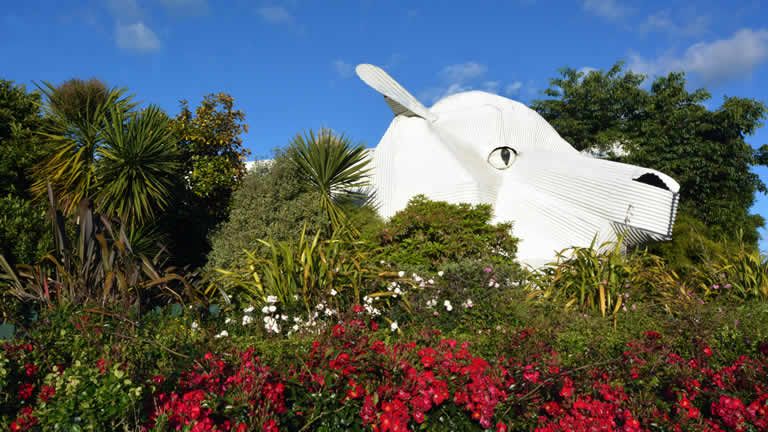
(653, 180)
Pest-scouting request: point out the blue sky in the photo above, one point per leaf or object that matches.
(290, 64)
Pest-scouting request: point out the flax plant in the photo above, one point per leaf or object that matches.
(600, 278)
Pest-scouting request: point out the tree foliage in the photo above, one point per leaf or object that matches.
(75, 98)
(335, 168)
(669, 129)
(100, 149)
(72, 140)
(22, 223)
(428, 234)
(212, 159)
(212, 150)
(271, 204)
(137, 165)
(19, 147)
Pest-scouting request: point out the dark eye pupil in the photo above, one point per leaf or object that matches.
(505, 155)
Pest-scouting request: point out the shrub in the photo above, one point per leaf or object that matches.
(337, 169)
(463, 296)
(96, 266)
(90, 397)
(271, 204)
(692, 244)
(602, 278)
(304, 272)
(23, 230)
(741, 271)
(427, 234)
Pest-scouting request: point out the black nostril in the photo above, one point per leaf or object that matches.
(651, 179)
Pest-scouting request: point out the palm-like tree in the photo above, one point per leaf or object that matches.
(72, 138)
(137, 165)
(122, 160)
(336, 168)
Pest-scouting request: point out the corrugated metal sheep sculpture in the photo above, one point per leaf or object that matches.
(477, 147)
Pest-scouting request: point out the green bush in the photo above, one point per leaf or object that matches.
(23, 230)
(692, 244)
(271, 204)
(427, 234)
(741, 272)
(90, 398)
(301, 273)
(603, 278)
(95, 266)
(463, 296)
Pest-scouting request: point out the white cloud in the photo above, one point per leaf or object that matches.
(713, 62)
(186, 7)
(663, 22)
(605, 8)
(136, 37)
(513, 88)
(343, 69)
(463, 72)
(276, 15)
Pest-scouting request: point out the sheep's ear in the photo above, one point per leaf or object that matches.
(399, 100)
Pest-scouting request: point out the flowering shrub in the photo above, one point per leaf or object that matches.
(220, 395)
(358, 375)
(87, 397)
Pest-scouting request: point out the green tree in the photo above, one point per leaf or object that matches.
(138, 165)
(335, 168)
(22, 222)
(212, 150)
(102, 150)
(20, 119)
(271, 204)
(212, 167)
(76, 98)
(669, 129)
(72, 140)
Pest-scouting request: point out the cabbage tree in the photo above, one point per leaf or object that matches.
(336, 168)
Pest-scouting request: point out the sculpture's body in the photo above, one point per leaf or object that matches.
(477, 147)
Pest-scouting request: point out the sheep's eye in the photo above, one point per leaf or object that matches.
(502, 157)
